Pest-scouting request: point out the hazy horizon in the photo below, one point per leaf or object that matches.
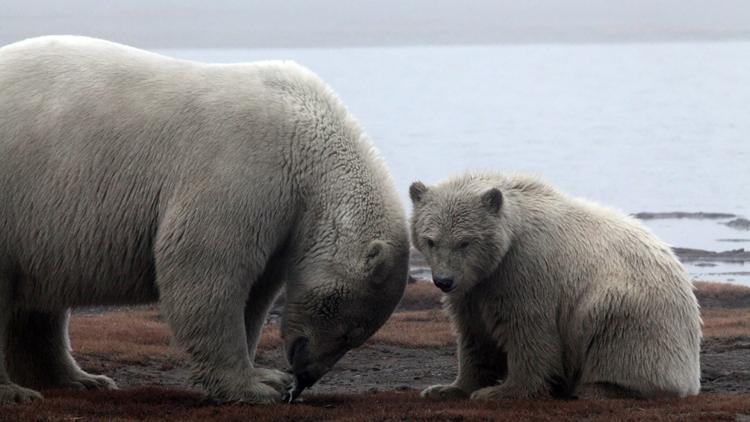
(328, 23)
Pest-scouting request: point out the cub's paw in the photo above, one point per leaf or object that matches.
(282, 382)
(441, 392)
(12, 393)
(505, 392)
(85, 381)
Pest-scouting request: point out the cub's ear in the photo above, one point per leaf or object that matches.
(377, 260)
(493, 200)
(417, 191)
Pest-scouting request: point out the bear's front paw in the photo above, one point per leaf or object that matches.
(282, 382)
(441, 392)
(505, 391)
(251, 386)
(13, 393)
(250, 392)
(85, 381)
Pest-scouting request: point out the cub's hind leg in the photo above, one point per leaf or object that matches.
(39, 353)
(636, 352)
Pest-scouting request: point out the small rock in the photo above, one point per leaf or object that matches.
(739, 223)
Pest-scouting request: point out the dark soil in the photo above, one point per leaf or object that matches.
(725, 365)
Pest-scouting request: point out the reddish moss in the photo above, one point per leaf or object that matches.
(420, 295)
(718, 322)
(162, 404)
(429, 328)
(722, 295)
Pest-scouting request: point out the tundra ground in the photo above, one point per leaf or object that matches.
(379, 381)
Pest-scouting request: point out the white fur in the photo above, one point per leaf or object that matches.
(556, 295)
(129, 177)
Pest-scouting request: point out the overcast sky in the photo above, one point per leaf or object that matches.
(325, 23)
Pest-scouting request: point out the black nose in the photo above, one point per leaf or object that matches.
(297, 350)
(444, 284)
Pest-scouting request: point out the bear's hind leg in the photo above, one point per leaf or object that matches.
(10, 392)
(631, 348)
(39, 353)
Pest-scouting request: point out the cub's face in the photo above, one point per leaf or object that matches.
(461, 234)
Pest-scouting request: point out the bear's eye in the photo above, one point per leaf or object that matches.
(430, 243)
(463, 245)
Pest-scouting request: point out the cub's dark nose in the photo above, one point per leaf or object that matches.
(444, 284)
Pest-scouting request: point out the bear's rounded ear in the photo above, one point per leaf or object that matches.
(493, 200)
(417, 191)
(376, 260)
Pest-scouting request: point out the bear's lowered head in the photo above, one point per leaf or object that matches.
(336, 307)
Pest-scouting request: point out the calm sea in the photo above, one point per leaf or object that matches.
(640, 127)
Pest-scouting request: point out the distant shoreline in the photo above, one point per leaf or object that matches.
(166, 43)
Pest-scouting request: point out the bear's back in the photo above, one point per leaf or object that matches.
(575, 241)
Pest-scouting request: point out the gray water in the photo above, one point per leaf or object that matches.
(640, 127)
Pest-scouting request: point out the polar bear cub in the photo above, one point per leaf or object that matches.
(554, 296)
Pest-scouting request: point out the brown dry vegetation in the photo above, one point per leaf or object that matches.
(127, 337)
(723, 295)
(421, 295)
(133, 336)
(718, 322)
(428, 328)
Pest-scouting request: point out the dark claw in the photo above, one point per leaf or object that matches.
(298, 389)
(294, 392)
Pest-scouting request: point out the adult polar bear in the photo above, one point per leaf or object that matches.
(129, 177)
